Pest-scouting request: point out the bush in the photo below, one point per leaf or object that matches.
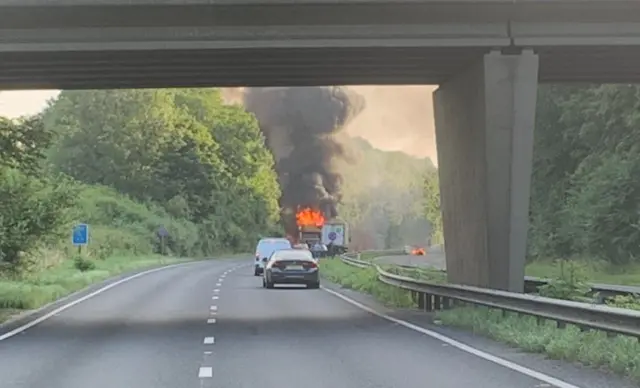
(33, 212)
(83, 265)
(123, 225)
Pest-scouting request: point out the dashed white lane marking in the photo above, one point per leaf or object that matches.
(211, 320)
(216, 290)
(205, 371)
(215, 297)
(208, 352)
(465, 348)
(214, 308)
(209, 340)
(218, 284)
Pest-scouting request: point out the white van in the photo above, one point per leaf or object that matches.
(265, 248)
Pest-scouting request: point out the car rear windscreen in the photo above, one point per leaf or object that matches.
(266, 248)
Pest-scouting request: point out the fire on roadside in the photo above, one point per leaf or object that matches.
(418, 251)
(309, 217)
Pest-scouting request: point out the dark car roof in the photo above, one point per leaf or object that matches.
(293, 254)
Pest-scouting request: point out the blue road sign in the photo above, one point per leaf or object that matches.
(332, 236)
(80, 234)
(163, 232)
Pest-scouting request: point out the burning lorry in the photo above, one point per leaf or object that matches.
(314, 228)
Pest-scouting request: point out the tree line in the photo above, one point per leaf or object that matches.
(383, 197)
(129, 162)
(585, 196)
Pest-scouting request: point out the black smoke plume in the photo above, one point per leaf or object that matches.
(300, 124)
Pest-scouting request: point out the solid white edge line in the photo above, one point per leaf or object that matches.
(465, 348)
(64, 307)
(205, 371)
(209, 340)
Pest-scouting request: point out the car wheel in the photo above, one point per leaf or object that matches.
(264, 283)
(314, 285)
(256, 272)
(270, 285)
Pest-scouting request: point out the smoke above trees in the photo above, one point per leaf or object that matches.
(300, 125)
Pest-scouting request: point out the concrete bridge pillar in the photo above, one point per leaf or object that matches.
(485, 117)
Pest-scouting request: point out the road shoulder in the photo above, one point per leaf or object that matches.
(575, 374)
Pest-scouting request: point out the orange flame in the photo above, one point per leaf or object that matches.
(418, 252)
(309, 217)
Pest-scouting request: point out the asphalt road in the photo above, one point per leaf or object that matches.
(212, 324)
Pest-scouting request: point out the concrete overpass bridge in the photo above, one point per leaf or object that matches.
(487, 56)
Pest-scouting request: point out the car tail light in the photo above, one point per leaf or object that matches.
(311, 265)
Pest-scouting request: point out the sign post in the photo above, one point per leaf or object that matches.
(80, 236)
(163, 233)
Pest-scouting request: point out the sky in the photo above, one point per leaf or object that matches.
(398, 118)
(24, 102)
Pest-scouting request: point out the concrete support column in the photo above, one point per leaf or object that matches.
(485, 117)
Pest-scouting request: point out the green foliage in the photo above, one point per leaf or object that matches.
(584, 199)
(129, 162)
(570, 282)
(432, 209)
(625, 301)
(23, 143)
(204, 164)
(382, 197)
(33, 212)
(620, 354)
(364, 280)
(83, 265)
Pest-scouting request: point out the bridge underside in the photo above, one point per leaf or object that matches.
(294, 66)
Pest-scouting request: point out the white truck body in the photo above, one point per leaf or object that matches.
(335, 233)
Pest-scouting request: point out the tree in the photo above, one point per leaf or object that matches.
(34, 210)
(432, 208)
(180, 148)
(23, 143)
(585, 195)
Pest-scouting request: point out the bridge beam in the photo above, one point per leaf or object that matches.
(485, 117)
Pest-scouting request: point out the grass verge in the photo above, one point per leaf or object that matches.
(618, 354)
(364, 280)
(37, 289)
(593, 272)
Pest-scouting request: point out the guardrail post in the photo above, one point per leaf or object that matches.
(428, 302)
(422, 301)
(437, 302)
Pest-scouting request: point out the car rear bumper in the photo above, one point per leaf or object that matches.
(294, 278)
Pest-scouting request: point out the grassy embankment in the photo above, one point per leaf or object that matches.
(619, 354)
(122, 240)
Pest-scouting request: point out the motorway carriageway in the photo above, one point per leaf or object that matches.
(211, 324)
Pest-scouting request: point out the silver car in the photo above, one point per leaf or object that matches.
(291, 266)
